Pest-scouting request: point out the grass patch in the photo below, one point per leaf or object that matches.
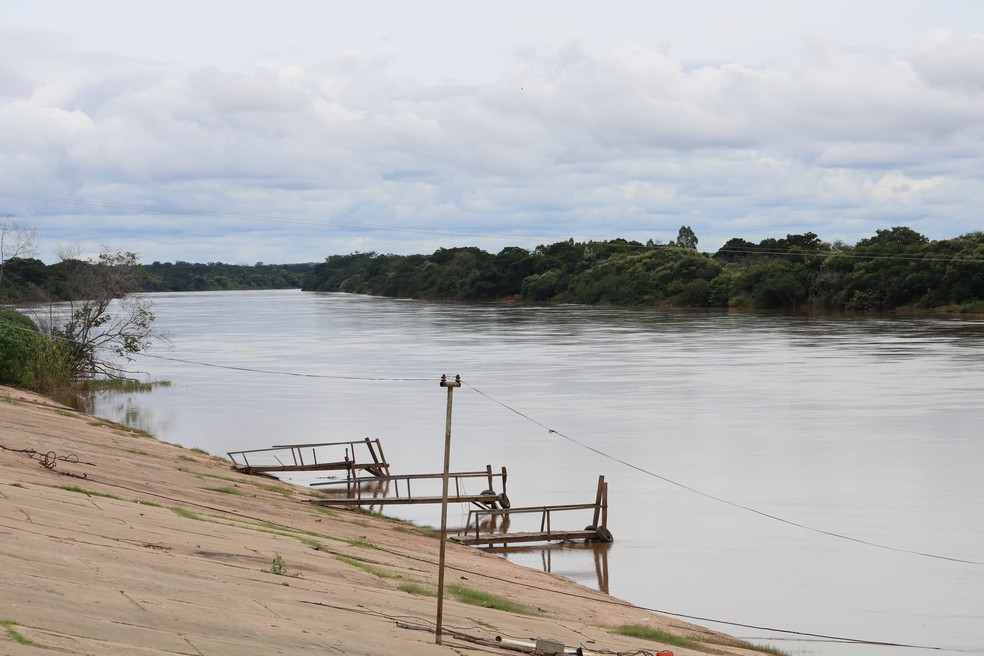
(327, 511)
(417, 589)
(226, 490)
(201, 451)
(138, 452)
(279, 567)
(88, 493)
(656, 635)
(126, 385)
(182, 456)
(365, 567)
(314, 544)
(269, 487)
(187, 514)
(8, 626)
(360, 543)
(486, 600)
(468, 596)
(775, 651)
(418, 530)
(147, 503)
(122, 429)
(16, 485)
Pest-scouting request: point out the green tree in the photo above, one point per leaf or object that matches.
(18, 335)
(105, 319)
(686, 238)
(16, 241)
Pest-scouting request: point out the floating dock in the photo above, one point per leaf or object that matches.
(322, 456)
(480, 529)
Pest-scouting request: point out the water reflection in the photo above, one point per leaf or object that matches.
(571, 568)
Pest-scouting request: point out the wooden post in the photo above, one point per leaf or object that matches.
(450, 384)
(382, 456)
(598, 499)
(604, 506)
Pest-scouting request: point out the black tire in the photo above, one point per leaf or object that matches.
(604, 535)
(503, 501)
(492, 493)
(590, 527)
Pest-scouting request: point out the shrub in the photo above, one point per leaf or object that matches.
(18, 335)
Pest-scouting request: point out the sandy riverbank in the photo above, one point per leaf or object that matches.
(129, 545)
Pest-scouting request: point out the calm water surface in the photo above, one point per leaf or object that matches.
(864, 427)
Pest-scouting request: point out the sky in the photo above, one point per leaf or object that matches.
(241, 131)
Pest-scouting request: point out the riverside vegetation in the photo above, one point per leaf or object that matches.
(894, 269)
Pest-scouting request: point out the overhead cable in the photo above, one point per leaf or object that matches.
(716, 498)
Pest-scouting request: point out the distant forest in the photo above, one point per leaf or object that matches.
(895, 268)
(29, 280)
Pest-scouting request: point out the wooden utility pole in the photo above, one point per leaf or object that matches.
(450, 384)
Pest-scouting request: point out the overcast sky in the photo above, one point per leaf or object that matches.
(244, 131)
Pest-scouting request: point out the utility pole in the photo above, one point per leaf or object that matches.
(450, 384)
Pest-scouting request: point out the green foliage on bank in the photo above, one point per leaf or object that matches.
(29, 280)
(18, 337)
(215, 276)
(895, 268)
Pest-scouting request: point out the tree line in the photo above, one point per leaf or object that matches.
(895, 268)
(29, 280)
(80, 320)
(87, 316)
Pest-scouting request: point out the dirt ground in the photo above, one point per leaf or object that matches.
(113, 542)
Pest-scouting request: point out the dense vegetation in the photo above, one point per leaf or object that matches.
(894, 268)
(100, 319)
(27, 280)
(188, 277)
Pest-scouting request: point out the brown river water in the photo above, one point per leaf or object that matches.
(818, 473)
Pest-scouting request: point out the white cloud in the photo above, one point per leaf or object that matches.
(568, 139)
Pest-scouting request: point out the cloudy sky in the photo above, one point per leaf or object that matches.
(244, 131)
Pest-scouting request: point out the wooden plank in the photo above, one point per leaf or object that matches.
(323, 466)
(372, 501)
(532, 536)
(402, 477)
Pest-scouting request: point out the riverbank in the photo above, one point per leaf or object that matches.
(117, 543)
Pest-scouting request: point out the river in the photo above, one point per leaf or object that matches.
(814, 473)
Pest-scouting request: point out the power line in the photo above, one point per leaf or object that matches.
(716, 498)
(284, 373)
(612, 602)
(583, 445)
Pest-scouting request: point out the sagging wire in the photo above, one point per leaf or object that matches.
(284, 373)
(270, 372)
(583, 445)
(734, 504)
(596, 599)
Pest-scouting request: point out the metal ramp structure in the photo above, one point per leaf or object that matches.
(388, 490)
(481, 528)
(321, 456)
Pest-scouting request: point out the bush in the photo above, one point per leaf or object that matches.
(18, 336)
